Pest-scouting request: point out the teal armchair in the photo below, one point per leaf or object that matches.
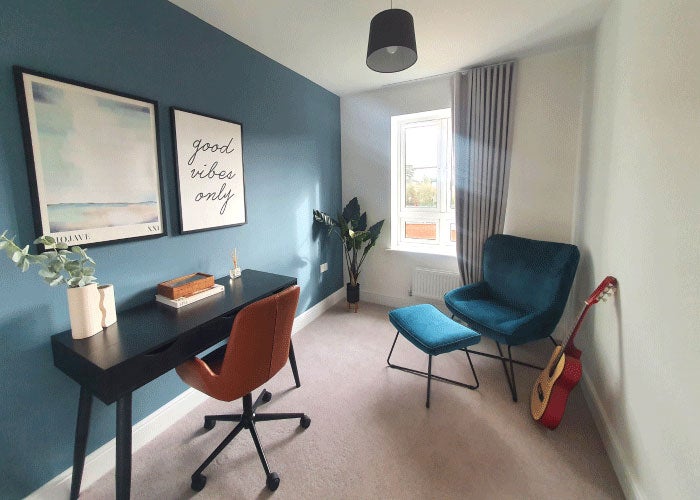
(522, 296)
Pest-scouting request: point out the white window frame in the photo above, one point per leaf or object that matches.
(443, 215)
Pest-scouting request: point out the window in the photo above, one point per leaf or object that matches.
(422, 184)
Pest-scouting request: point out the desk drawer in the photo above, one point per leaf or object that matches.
(140, 370)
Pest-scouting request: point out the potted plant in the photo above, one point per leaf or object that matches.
(351, 228)
(90, 307)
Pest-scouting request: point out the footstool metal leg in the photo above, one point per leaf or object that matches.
(430, 371)
(476, 379)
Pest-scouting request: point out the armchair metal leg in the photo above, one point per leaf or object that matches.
(510, 376)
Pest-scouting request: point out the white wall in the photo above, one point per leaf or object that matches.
(638, 218)
(546, 145)
(365, 124)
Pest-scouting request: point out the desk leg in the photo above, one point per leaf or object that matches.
(123, 469)
(293, 362)
(82, 428)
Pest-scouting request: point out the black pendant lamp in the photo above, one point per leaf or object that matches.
(392, 42)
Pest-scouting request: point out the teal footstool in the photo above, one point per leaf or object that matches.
(433, 333)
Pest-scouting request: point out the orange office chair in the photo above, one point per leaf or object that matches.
(257, 349)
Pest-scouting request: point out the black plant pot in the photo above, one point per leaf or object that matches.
(353, 293)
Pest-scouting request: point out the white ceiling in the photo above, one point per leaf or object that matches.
(326, 40)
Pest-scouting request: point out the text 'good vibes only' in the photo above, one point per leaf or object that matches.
(211, 172)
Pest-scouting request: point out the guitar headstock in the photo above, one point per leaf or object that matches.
(606, 288)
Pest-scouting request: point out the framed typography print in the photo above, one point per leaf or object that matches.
(209, 155)
(93, 160)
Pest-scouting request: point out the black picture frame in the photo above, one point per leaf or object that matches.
(208, 152)
(93, 160)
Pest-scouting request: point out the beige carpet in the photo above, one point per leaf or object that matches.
(371, 435)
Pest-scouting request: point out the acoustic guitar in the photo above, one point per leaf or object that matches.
(564, 370)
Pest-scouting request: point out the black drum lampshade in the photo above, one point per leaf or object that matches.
(392, 42)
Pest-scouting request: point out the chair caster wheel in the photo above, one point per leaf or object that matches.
(209, 423)
(305, 422)
(267, 396)
(199, 481)
(273, 481)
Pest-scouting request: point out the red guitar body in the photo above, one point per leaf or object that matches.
(568, 379)
(551, 390)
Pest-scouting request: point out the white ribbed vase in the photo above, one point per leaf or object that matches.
(84, 311)
(107, 308)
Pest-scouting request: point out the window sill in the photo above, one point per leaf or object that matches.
(439, 251)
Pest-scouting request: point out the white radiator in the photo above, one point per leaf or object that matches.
(433, 283)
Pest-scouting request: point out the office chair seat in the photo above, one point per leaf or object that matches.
(257, 349)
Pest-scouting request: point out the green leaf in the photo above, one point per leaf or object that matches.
(59, 279)
(46, 240)
(37, 259)
(19, 255)
(72, 266)
(47, 273)
(362, 222)
(351, 212)
(324, 218)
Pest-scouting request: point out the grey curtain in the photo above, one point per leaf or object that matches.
(482, 108)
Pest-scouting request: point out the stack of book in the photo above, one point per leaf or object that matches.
(190, 299)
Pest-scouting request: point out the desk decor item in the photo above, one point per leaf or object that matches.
(93, 162)
(209, 157)
(185, 286)
(90, 307)
(351, 228)
(190, 299)
(235, 271)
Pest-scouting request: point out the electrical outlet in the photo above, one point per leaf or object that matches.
(324, 267)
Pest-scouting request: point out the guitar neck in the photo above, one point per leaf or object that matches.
(570, 341)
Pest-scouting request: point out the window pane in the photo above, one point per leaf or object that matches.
(421, 164)
(420, 230)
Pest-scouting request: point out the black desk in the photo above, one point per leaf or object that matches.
(144, 343)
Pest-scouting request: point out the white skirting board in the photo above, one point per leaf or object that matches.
(102, 460)
(616, 453)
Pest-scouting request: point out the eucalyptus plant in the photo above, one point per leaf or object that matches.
(58, 264)
(351, 228)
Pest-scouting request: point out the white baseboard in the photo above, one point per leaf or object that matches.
(102, 460)
(314, 312)
(616, 453)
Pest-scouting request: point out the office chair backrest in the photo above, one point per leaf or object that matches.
(258, 345)
(529, 274)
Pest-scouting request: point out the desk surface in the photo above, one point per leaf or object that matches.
(150, 339)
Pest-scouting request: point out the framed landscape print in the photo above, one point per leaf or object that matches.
(209, 155)
(93, 161)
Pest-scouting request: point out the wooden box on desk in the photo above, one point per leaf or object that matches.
(185, 286)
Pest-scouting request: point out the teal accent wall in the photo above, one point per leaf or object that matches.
(291, 151)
